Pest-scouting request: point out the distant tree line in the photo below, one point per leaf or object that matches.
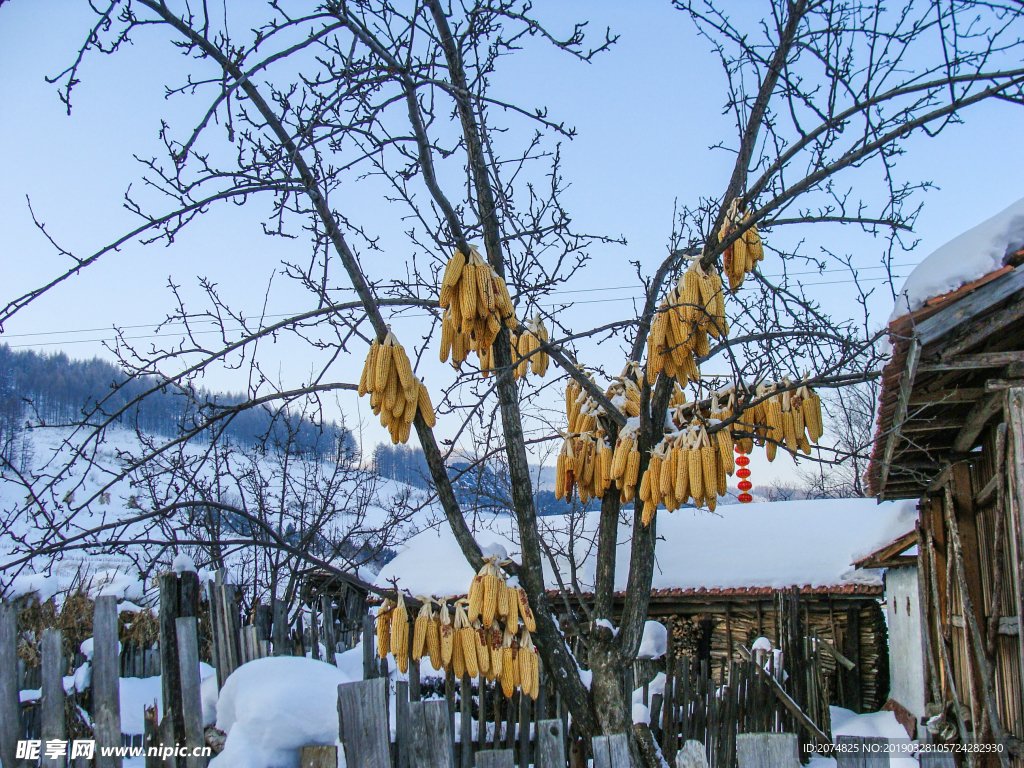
(40, 389)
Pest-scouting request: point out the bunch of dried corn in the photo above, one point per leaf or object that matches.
(395, 394)
(464, 659)
(810, 404)
(529, 666)
(583, 464)
(483, 593)
(625, 465)
(476, 303)
(528, 346)
(745, 252)
(676, 335)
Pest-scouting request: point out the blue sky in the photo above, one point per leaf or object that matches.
(646, 114)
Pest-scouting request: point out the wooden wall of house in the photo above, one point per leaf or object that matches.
(978, 495)
(856, 627)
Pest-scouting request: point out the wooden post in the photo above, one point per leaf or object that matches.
(191, 695)
(977, 640)
(170, 684)
(524, 730)
(1015, 503)
(319, 757)
(466, 722)
(369, 664)
(363, 722)
(53, 692)
(611, 751)
(430, 741)
(330, 642)
(495, 758)
(10, 706)
(549, 745)
(106, 694)
(402, 723)
(851, 649)
(281, 629)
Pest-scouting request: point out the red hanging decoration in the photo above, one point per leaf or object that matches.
(744, 485)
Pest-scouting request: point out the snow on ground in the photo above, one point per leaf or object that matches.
(774, 544)
(883, 724)
(272, 707)
(965, 258)
(140, 692)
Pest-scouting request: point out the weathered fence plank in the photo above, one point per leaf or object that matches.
(430, 740)
(862, 752)
(767, 750)
(53, 726)
(364, 731)
(191, 695)
(549, 745)
(10, 707)
(495, 758)
(330, 641)
(466, 722)
(402, 723)
(937, 760)
(319, 757)
(106, 693)
(611, 751)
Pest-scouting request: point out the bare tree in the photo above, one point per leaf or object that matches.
(316, 103)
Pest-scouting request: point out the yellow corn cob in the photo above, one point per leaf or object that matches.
(400, 635)
(632, 468)
(383, 367)
(723, 482)
(623, 447)
(476, 596)
(709, 462)
(523, 662)
(434, 643)
(773, 418)
(467, 293)
(403, 368)
(447, 632)
(453, 270)
(650, 507)
(468, 637)
(668, 473)
(525, 611)
(725, 450)
(482, 652)
(645, 486)
(419, 633)
(696, 469)
(494, 651)
(490, 604)
(814, 411)
(509, 678)
(512, 617)
(689, 296)
(789, 431)
(682, 484)
(369, 374)
(769, 450)
(383, 628)
(458, 654)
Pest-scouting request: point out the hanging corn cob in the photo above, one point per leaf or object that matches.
(395, 394)
(400, 635)
(529, 666)
(476, 304)
(419, 635)
(383, 628)
(742, 256)
(528, 346)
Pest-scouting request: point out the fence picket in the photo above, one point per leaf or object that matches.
(430, 740)
(364, 731)
(549, 745)
(53, 691)
(10, 707)
(611, 751)
(106, 693)
(495, 758)
(191, 696)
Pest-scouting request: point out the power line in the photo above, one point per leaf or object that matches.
(197, 321)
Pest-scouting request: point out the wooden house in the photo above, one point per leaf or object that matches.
(950, 434)
(723, 580)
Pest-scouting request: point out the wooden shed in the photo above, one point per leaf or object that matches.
(950, 433)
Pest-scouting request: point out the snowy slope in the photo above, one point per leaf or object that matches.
(965, 258)
(775, 544)
(50, 451)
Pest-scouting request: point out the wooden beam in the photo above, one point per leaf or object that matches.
(987, 495)
(947, 396)
(971, 362)
(997, 385)
(893, 548)
(982, 330)
(902, 404)
(976, 421)
(1015, 500)
(930, 425)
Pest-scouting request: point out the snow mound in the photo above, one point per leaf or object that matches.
(965, 258)
(272, 707)
(27, 583)
(654, 643)
(183, 563)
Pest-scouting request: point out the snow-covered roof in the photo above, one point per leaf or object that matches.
(768, 545)
(965, 258)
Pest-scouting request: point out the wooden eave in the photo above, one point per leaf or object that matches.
(891, 555)
(951, 360)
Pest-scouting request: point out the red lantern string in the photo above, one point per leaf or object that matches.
(744, 485)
